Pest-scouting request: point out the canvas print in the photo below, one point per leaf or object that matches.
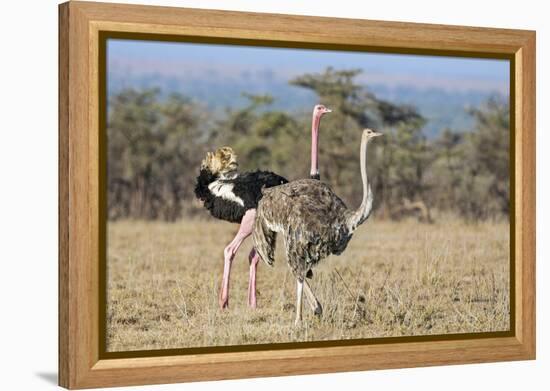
(264, 195)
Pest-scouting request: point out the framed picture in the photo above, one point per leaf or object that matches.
(220, 216)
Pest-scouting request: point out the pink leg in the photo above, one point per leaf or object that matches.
(253, 258)
(229, 254)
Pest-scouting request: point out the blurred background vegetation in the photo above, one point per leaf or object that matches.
(156, 142)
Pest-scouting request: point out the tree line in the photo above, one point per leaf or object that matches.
(156, 143)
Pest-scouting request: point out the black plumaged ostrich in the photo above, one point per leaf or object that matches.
(233, 196)
(314, 222)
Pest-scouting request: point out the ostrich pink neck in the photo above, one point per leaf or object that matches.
(314, 144)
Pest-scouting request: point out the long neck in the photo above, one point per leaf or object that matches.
(314, 172)
(362, 213)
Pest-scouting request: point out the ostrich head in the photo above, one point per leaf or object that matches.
(369, 134)
(319, 110)
(222, 161)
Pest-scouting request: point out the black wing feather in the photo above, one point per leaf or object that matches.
(248, 186)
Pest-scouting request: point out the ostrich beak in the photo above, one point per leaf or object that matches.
(376, 134)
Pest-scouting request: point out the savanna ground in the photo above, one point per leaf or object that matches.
(394, 279)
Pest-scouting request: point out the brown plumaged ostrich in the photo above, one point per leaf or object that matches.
(314, 222)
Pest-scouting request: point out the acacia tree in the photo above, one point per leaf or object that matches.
(446, 172)
(403, 147)
(153, 149)
(405, 160)
(263, 139)
(470, 174)
(484, 191)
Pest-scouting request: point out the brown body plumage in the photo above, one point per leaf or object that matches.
(314, 222)
(311, 218)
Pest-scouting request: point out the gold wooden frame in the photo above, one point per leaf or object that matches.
(80, 164)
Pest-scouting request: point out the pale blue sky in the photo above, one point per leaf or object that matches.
(164, 57)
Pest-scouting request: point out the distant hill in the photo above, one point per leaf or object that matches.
(443, 108)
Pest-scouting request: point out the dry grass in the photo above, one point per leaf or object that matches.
(394, 279)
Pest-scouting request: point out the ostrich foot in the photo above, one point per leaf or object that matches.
(224, 305)
(223, 301)
(312, 300)
(318, 310)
